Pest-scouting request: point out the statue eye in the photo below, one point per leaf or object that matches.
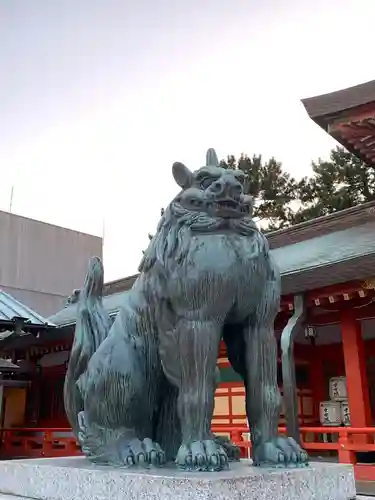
(205, 183)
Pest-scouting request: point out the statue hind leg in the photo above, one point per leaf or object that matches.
(252, 351)
(120, 390)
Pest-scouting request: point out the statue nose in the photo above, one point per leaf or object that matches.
(223, 187)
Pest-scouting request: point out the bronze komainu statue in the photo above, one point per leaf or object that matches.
(141, 390)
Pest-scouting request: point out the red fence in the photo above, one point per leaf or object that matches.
(38, 443)
(344, 443)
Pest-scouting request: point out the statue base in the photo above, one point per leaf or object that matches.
(75, 478)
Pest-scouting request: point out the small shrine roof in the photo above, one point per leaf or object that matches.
(7, 366)
(348, 115)
(11, 309)
(112, 304)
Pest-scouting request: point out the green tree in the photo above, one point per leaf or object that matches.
(343, 181)
(273, 189)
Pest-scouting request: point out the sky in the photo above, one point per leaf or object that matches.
(99, 97)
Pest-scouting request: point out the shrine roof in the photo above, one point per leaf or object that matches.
(112, 304)
(329, 259)
(7, 366)
(348, 115)
(322, 252)
(11, 309)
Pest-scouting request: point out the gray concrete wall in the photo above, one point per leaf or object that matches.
(41, 264)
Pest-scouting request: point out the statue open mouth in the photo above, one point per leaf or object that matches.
(228, 208)
(227, 204)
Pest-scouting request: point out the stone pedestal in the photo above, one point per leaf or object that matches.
(76, 478)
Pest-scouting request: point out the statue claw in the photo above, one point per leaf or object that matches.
(142, 453)
(280, 452)
(205, 455)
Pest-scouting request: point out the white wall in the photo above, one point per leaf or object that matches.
(41, 264)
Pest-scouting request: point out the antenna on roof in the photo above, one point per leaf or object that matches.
(103, 235)
(11, 199)
(103, 228)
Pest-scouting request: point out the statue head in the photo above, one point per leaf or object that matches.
(212, 189)
(211, 199)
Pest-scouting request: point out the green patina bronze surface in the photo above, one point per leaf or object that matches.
(140, 391)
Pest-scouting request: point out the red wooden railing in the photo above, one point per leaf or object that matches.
(38, 443)
(346, 442)
(59, 442)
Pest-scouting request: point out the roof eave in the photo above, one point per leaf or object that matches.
(324, 123)
(359, 268)
(339, 101)
(337, 221)
(11, 325)
(344, 104)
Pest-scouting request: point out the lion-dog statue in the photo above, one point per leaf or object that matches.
(140, 390)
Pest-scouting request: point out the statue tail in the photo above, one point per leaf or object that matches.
(92, 327)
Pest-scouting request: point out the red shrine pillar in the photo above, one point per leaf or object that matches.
(355, 370)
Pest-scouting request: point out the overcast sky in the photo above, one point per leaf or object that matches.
(99, 97)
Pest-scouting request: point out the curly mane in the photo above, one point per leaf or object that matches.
(176, 228)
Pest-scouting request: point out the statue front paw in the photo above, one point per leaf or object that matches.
(141, 453)
(280, 452)
(205, 455)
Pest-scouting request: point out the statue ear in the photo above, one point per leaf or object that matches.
(182, 175)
